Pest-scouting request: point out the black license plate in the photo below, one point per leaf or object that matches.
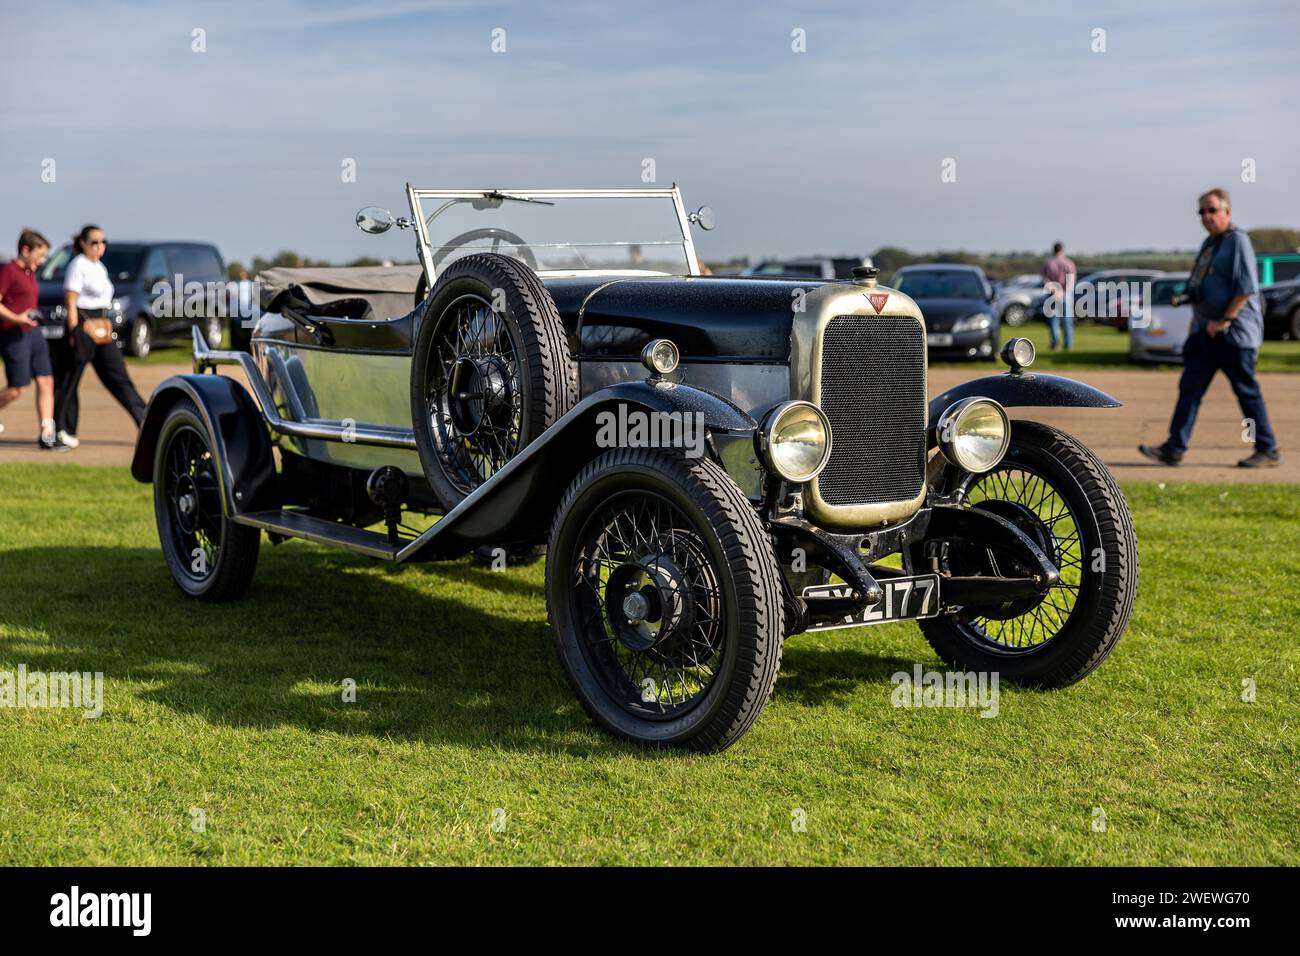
(906, 599)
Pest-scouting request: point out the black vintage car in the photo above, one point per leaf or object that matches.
(713, 464)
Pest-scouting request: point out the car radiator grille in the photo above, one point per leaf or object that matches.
(873, 392)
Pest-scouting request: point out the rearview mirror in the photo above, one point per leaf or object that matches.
(374, 220)
(704, 218)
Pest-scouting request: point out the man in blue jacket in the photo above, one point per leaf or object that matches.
(1227, 331)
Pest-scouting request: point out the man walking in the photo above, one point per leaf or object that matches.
(1058, 276)
(1227, 331)
(22, 346)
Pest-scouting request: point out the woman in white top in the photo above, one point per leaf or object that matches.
(88, 293)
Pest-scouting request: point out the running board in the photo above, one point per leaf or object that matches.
(298, 524)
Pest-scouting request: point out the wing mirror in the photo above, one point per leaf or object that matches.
(704, 218)
(375, 221)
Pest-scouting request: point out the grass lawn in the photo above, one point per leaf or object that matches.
(461, 708)
(1097, 346)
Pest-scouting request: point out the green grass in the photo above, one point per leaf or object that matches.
(462, 708)
(1097, 346)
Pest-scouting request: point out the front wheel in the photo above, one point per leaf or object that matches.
(1015, 315)
(1059, 494)
(664, 597)
(139, 341)
(210, 557)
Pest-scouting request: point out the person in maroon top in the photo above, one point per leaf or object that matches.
(21, 344)
(1058, 276)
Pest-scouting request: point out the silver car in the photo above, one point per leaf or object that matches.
(1014, 297)
(1159, 335)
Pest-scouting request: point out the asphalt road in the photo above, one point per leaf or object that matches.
(108, 435)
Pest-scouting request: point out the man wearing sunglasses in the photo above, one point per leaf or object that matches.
(1227, 331)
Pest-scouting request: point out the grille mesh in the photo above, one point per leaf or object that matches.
(873, 392)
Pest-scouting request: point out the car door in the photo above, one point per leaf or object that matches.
(154, 271)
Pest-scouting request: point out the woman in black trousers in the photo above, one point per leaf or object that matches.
(88, 292)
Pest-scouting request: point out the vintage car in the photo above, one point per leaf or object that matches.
(713, 464)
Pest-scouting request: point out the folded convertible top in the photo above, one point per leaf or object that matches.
(390, 290)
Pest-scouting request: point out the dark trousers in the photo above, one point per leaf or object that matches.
(80, 350)
(1202, 357)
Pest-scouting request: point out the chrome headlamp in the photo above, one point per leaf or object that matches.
(974, 434)
(660, 356)
(794, 441)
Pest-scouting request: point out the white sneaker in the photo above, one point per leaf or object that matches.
(70, 440)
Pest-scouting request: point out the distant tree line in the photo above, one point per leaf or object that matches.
(997, 265)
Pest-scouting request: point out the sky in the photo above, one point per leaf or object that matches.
(840, 149)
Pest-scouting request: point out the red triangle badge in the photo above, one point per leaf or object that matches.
(878, 300)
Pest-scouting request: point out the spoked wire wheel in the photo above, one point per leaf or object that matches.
(474, 393)
(210, 556)
(1029, 501)
(665, 599)
(650, 604)
(192, 493)
(485, 382)
(1067, 503)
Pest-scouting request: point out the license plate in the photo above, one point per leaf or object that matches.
(906, 599)
(52, 331)
(939, 338)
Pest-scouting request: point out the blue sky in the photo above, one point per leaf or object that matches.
(838, 149)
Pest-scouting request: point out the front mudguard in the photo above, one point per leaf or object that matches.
(1023, 389)
(240, 442)
(518, 503)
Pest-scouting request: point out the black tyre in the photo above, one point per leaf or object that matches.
(209, 556)
(139, 338)
(485, 383)
(1067, 501)
(1015, 315)
(664, 597)
(1294, 325)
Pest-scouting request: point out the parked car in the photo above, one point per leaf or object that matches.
(136, 269)
(1159, 331)
(698, 457)
(1281, 304)
(816, 267)
(957, 303)
(1012, 298)
(1107, 296)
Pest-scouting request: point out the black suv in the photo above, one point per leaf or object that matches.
(136, 268)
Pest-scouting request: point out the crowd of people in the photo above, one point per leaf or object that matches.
(87, 340)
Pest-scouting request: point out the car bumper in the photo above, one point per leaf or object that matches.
(979, 343)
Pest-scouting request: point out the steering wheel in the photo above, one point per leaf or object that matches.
(497, 236)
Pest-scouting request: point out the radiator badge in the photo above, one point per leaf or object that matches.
(878, 300)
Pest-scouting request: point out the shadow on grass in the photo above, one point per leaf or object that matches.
(427, 667)
(429, 661)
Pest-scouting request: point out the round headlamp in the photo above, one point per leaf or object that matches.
(660, 356)
(973, 434)
(1019, 353)
(794, 440)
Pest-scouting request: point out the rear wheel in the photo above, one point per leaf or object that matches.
(665, 600)
(1015, 314)
(490, 372)
(209, 556)
(1060, 495)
